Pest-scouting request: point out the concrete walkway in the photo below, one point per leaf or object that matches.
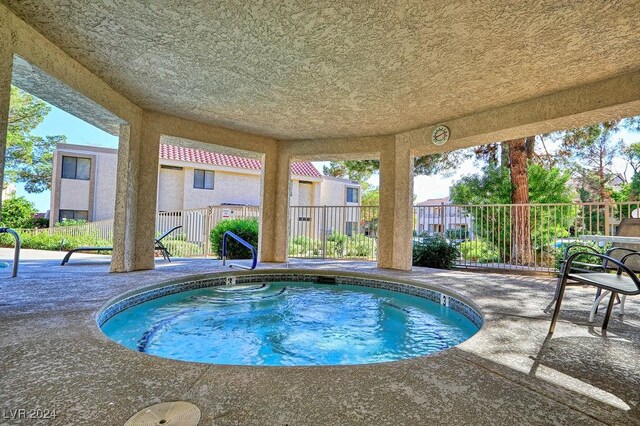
(53, 356)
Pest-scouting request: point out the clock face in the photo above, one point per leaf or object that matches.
(440, 135)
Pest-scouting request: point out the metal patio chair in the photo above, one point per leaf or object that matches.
(628, 227)
(624, 281)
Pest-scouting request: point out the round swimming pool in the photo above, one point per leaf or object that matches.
(289, 322)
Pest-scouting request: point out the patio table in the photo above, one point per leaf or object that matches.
(608, 239)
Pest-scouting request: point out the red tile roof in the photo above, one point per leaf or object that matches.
(192, 155)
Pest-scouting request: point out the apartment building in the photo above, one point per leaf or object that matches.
(84, 181)
(437, 216)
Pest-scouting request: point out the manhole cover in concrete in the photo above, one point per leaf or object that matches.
(178, 413)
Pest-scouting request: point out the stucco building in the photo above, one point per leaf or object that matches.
(285, 84)
(84, 182)
(8, 191)
(437, 216)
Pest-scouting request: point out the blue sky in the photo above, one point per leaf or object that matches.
(58, 122)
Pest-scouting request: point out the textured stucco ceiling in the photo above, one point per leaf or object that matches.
(35, 81)
(313, 69)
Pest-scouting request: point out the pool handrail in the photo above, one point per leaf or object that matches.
(16, 250)
(244, 243)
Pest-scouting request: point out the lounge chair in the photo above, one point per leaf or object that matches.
(624, 281)
(159, 246)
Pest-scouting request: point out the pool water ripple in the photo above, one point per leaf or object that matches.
(285, 324)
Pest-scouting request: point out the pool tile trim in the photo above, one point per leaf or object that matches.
(144, 295)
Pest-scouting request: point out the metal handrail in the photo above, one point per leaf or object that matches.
(244, 243)
(16, 250)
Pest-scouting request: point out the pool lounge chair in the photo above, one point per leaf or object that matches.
(159, 246)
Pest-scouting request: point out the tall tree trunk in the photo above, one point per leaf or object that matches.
(521, 251)
(602, 181)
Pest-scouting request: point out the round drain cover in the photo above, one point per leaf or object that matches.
(179, 413)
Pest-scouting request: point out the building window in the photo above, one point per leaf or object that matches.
(304, 219)
(73, 215)
(351, 228)
(76, 168)
(203, 179)
(352, 195)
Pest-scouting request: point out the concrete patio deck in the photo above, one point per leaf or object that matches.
(53, 356)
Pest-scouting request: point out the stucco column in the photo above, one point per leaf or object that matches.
(6, 64)
(134, 224)
(395, 222)
(274, 210)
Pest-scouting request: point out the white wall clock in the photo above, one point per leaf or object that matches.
(440, 135)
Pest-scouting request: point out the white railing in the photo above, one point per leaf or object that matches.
(486, 235)
(193, 239)
(334, 232)
(496, 235)
(102, 229)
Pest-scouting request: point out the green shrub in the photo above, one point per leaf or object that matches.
(55, 241)
(71, 222)
(435, 252)
(359, 245)
(479, 251)
(457, 234)
(246, 229)
(40, 222)
(6, 240)
(305, 247)
(181, 248)
(17, 212)
(558, 253)
(182, 236)
(336, 244)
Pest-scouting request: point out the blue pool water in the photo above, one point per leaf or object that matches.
(285, 323)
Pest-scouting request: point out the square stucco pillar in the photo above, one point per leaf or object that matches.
(134, 224)
(395, 221)
(274, 210)
(6, 65)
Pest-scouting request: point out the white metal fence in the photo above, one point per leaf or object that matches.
(486, 235)
(190, 240)
(334, 232)
(496, 235)
(193, 238)
(102, 229)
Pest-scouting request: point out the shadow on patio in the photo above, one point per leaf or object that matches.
(54, 355)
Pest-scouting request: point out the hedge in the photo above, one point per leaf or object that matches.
(479, 251)
(435, 252)
(55, 241)
(246, 229)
